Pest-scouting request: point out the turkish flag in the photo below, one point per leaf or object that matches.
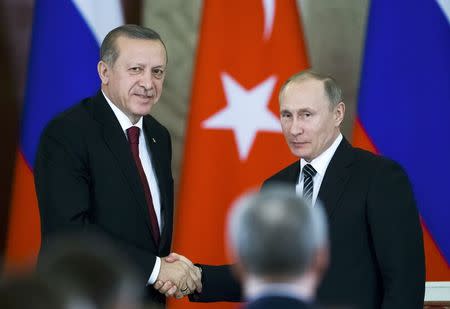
(246, 50)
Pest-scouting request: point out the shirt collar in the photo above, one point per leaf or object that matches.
(287, 289)
(320, 163)
(123, 119)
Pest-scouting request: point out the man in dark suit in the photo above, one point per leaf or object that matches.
(280, 245)
(105, 164)
(377, 258)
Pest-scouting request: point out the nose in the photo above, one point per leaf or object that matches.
(147, 81)
(296, 127)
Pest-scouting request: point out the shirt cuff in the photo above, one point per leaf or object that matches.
(155, 271)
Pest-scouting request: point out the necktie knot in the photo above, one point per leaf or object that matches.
(309, 170)
(133, 135)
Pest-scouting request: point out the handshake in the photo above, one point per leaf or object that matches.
(178, 277)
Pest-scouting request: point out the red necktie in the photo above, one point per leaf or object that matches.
(133, 139)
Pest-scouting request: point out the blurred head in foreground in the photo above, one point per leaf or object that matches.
(90, 269)
(277, 238)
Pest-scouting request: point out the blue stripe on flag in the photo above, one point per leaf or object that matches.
(61, 69)
(404, 100)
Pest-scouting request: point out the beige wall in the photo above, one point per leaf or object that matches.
(334, 31)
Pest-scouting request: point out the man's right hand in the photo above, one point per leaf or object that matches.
(178, 276)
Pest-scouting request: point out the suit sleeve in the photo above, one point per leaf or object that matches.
(219, 284)
(397, 237)
(62, 181)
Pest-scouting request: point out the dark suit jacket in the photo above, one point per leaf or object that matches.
(377, 258)
(275, 302)
(86, 179)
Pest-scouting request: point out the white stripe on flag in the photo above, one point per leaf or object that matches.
(100, 16)
(445, 6)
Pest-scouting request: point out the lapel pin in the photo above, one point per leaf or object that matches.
(153, 139)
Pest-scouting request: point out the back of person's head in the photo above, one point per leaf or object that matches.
(92, 268)
(275, 234)
(29, 291)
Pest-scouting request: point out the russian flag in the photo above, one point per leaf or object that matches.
(62, 70)
(404, 108)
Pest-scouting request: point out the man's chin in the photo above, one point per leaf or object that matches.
(296, 153)
(143, 108)
(299, 153)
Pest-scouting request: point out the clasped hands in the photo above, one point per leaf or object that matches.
(178, 276)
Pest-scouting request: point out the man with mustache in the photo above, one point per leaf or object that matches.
(104, 166)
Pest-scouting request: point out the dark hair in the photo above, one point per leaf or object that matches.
(89, 266)
(30, 291)
(108, 50)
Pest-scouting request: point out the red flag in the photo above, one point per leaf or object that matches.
(247, 49)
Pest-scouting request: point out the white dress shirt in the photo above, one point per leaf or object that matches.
(255, 289)
(320, 164)
(145, 156)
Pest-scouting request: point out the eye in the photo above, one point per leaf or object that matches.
(135, 69)
(158, 73)
(285, 115)
(306, 115)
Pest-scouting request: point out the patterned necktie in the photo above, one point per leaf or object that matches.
(133, 140)
(308, 183)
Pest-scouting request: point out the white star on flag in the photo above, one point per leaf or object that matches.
(246, 112)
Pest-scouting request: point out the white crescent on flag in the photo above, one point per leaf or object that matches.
(269, 16)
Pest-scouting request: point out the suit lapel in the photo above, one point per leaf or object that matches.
(336, 177)
(292, 175)
(117, 143)
(156, 153)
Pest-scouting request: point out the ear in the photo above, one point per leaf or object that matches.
(339, 113)
(317, 267)
(238, 271)
(321, 261)
(103, 71)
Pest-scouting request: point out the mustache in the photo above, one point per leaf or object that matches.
(144, 92)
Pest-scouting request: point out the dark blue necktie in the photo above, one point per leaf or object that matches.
(308, 183)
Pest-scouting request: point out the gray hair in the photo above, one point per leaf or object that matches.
(276, 233)
(332, 89)
(108, 49)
